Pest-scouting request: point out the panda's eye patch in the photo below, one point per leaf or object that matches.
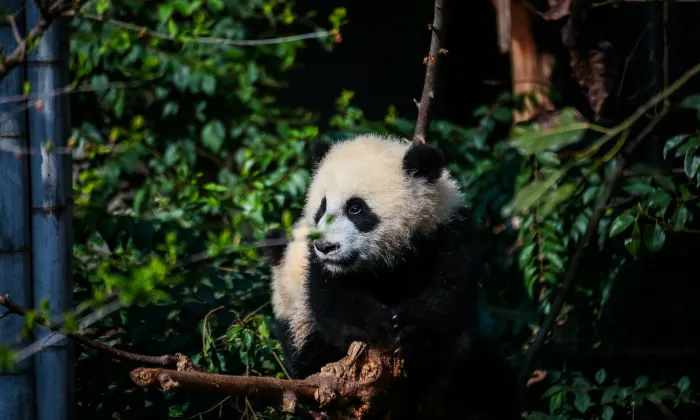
(355, 206)
(321, 211)
(361, 214)
(355, 209)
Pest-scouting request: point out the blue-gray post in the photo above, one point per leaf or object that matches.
(17, 387)
(52, 212)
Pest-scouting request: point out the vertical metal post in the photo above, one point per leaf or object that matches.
(17, 400)
(52, 211)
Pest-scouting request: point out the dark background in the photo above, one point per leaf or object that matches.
(380, 59)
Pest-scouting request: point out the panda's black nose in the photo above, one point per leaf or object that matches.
(325, 247)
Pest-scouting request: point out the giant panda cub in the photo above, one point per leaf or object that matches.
(396, 264)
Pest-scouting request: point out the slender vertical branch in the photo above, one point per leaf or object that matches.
(591, 229)
(432, 62)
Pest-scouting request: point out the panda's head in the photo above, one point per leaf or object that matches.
(371, 195)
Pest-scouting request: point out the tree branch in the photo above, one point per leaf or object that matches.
(17, 57)
(432, 62)
(165, 360)
(143, 31)
(358, 383)
(601, 205)
(591, 229)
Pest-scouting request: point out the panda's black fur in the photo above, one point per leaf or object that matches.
(425, 304)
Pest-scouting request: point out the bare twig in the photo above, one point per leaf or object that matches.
(56, 337)
(70, 89)
(432, 62)
(15, 30)
(18, 56)
(143, 31)
(166, 360)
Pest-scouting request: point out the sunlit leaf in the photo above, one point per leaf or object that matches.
(531, 139)
(621, 223)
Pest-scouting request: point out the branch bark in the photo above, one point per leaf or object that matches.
(432, 63)
(354, 387)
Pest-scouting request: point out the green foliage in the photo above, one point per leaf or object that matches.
(184, 161)
(576, 396)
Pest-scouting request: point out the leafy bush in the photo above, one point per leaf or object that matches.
(183, 160)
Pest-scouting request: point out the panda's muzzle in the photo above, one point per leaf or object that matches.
(325, 247)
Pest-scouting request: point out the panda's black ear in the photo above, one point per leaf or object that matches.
(424, 161)
(319, 149)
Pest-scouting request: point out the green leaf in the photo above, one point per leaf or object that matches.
(654, 237)
(634, 242)
(172, 28)
(215, 187)
(556, 401)
(609, 394)
(502, 114)
(532, 139)
(673, 142)
(639, 189)
(551, 391)
(660, 200)
(608, 413)
(642, 382)
(532, 193)
(684, 384)
(621, 223)
(680, 217)
(555, 260)
(208, 84)
(600, 376)
(213, 135)
(692, 101)
(582, 401)
(555, 197)
(691, 164)
(526, 255)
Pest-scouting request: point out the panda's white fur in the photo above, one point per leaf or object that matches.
(423, 299)
(370, 165)
(289, 294)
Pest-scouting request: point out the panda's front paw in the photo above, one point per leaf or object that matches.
(405, 333)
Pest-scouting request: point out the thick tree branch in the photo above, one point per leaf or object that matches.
(432, 63)
(355, 385)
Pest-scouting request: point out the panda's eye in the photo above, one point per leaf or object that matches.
(355, 209)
